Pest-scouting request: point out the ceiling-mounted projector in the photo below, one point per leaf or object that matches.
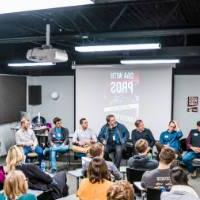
(47, 53)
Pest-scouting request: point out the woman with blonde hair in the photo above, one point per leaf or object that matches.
(37, 179)
(15, 187)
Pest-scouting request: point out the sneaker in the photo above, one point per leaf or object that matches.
(194, 174)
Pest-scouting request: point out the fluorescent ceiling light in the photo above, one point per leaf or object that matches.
(30, 64)
(10, 6)
(120, 47)
(155, 61)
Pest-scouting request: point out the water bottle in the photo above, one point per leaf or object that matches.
(43, 166)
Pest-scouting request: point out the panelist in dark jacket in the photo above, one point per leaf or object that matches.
(142, 133)
(114, 136)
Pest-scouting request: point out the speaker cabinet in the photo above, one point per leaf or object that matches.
(35, 94)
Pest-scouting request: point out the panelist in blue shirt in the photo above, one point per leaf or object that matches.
(114, 136)
(58, 140)
(171, 136)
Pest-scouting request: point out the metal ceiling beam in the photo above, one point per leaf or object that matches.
(107, 35)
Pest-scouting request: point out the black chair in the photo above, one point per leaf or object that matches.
(134, 175)
(153, 194)
(183, 144)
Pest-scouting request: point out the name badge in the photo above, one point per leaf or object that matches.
(195, 134)
(166, 136)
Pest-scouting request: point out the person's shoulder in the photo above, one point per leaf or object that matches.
(193, 130)
(121, 125)
(150, 173)
(28, 196)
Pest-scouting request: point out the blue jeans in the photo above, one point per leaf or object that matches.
(187, 159)
(53, 151)
(37, 150)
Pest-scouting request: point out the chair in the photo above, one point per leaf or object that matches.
(32, 158)
(183, 144)
(134, 175)
(153, 194)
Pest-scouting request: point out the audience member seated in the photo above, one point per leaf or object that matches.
(97, 150)
(142, 160)
(37, 179)
(58, 139)
(160, 177)
(142, 133)
(16, 187)
(97, 183)
(114, 136)
(120, 190)
(180, 187)
(171, 136)
(193, 146)
(83, 137)
(26, 138)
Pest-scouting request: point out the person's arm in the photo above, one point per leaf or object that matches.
(101, 136)
(35, 140)
(116, 173)
(82, 189)
(93, 136)
(36, 173)
(145, 180)
(179, 134)
(151, 139)
(133, 138)
(162, 138)
(50, 139)
(126, 134)
(66, 141)
(188, 141)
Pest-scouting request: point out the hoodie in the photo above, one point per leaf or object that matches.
(142, 162)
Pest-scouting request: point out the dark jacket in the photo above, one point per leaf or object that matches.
(142, 162)
(146, 134)
(122, 132)
(193, 139)
(65, 137)
(39, 180)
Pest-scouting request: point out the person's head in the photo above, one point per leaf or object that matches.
(15, 184)
(198, 126)
(84, 123)
(96, 150)
(14, 157)
(25, 123)
(57, 122)
(167, 156)
(120, 190)
(178, 176)
(171, 126)
(139, 124)
(111, 121)
(141, 146)
(98, 170)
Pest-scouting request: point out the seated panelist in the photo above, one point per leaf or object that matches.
(171, 136)
(58, 139)
(26, 138)
(83, 137)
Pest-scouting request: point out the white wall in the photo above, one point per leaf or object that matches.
(154, 92)
(63, 107)
(186, 85)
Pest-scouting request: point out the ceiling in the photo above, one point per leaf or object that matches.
(173, 23)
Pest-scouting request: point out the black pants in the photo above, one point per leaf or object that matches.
(117, 149)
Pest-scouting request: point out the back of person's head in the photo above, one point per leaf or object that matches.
(120, 190)
(96, 150)
(14, 157)
(141, 146)
(167, 155)
(15, 184)
(98, 170)
(178, 176)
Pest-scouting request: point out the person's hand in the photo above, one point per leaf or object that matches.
(177, 126)
(195, 149)
(31, 143)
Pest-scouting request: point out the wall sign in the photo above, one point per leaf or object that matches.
(192, 104)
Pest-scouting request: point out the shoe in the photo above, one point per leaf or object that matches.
(194, 174)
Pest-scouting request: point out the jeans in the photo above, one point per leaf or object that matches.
(37, 150)
(187, 160)
(53, 151)
(117, 149)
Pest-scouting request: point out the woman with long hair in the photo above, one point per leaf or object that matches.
(97, 183)
(16, 187)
